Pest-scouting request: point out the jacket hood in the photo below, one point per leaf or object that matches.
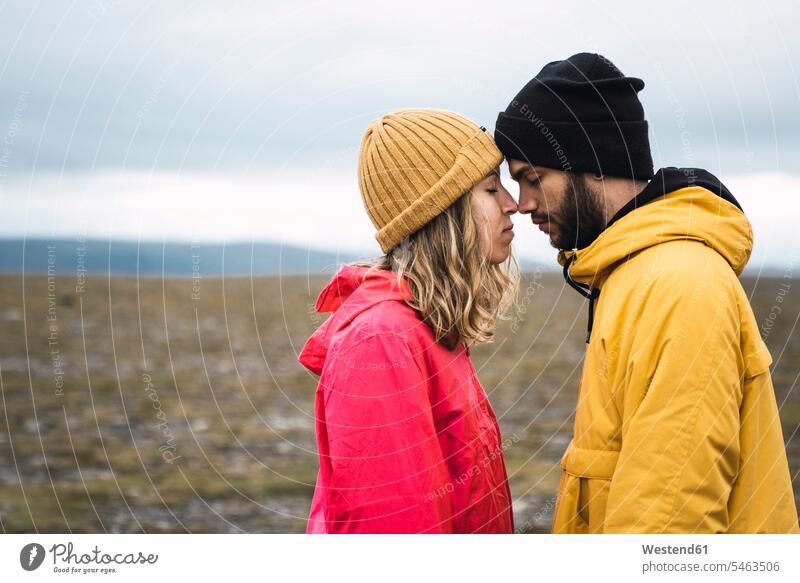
(352, 290)
(678, 204)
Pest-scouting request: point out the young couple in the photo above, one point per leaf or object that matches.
(676, 428)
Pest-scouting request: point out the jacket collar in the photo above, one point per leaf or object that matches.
(677, 204)
(669, 179)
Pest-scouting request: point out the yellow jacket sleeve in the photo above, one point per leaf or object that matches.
(679, 404)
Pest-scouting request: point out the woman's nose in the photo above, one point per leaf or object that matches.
(512, 207)
(509, 205)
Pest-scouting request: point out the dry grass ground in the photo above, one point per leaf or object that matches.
(174, 406)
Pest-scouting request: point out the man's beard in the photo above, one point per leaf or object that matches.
(581, 218)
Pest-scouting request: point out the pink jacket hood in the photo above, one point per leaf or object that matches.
(351, 291)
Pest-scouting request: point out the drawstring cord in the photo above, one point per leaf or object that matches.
(589, 293)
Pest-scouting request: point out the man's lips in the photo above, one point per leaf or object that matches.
(543, 224)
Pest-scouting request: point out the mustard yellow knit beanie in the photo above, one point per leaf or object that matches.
(415, 163)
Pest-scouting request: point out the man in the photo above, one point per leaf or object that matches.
(676, 427)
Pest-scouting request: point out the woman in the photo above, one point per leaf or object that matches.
(408, 442)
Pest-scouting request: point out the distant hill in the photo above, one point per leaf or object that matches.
(98, 257)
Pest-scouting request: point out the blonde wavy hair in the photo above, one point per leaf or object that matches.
(456, 291)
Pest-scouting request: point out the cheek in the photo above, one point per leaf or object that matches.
(496, 211)
(553, 193)
(485, 212)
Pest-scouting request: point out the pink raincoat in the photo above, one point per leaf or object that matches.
(407, 440)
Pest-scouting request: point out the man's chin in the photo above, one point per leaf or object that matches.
(552, 231)
(552, 236)
(559, 245)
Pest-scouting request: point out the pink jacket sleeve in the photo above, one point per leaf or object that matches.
(387, 472)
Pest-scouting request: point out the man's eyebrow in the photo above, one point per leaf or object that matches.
(516, 175)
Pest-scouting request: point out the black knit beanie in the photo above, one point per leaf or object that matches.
(581, 114)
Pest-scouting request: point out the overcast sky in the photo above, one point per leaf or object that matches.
(242, 120)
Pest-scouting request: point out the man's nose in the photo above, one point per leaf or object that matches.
(527, 204)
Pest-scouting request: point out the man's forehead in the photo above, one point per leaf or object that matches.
(519, 167)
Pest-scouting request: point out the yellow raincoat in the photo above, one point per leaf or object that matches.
(677, 427)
